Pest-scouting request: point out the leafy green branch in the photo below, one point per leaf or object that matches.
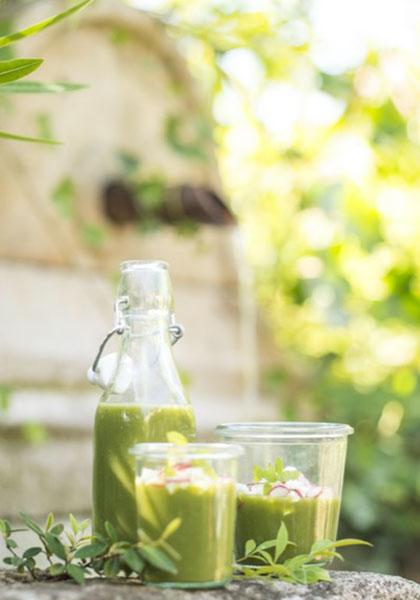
(303, 568)
(13, 70)
(73, 553)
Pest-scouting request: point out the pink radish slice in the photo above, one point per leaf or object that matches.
(179, 480)
(279, 490)
(314, 491)
(297, 492)
(182, 466)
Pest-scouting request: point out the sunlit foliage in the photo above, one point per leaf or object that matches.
(317, 112)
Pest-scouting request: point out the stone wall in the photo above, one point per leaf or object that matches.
(344, 586)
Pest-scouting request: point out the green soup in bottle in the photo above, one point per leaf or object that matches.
(143, 398)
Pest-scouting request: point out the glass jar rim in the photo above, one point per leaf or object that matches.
(262, 431)
(132, 265)
(208, 451)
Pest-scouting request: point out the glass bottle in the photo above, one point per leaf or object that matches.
(143, 397)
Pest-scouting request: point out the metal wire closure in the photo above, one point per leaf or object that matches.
(176, 331)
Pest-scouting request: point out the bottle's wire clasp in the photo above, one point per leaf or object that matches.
(175, 329)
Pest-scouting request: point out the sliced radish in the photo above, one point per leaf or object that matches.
(182, 466)
(314, 491)
(279, 490)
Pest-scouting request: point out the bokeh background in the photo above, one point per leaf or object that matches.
(270, 152)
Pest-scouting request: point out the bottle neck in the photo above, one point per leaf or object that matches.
(149, 327)
(146, 345)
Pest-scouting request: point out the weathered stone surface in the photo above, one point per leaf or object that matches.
(345, 586)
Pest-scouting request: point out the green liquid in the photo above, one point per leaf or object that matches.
(205, 537)
(307, 520)
(118, 426)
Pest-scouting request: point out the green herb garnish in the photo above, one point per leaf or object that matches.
(304, 568)
(273, 474)
(73, 553)
(174, 437)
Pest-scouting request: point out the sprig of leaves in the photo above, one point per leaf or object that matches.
(12, 71)
(274, 473)
(73, 553)
(303, 568)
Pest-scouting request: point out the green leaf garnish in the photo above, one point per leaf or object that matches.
(174, 437)
(274, 474)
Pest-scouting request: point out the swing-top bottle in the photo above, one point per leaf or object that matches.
(143, 397)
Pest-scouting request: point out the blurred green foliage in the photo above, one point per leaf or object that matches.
(322, 165)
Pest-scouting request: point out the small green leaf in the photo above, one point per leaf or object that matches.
(158, 559)
(44, 126)
(250, 546)
(174, 437)
(134, 560)
(267, 545)
(282, 540)
(14, 37)
(170, 529)
(129, 163)
(34, 433)
(49, 522)
(110, 529)
(117, 547)
(31, 552)
(175, 139)
(84, 524)
(91, 550)
(265, 556)
(298, 561)
(5, 528)
(279, 465)
(15, 561)
(11, 70)
(76, 573)
(170, 551)
(55, 546)
(5, 397)
(37, 87)
(112, 567)
(73, 524)
(30, 523)
(57, 529)
(24, 138)
(11, 543)
(93, 235)
(57, 569)
(63, 196)
(267, 488)
(315, 574)
(323, 545)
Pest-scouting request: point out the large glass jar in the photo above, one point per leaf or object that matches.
(291, 473)
(143, 397)
(195, 484)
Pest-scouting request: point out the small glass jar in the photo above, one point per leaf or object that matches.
(195, 483)
(291, 473)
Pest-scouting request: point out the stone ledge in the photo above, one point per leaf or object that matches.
(345, 586)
